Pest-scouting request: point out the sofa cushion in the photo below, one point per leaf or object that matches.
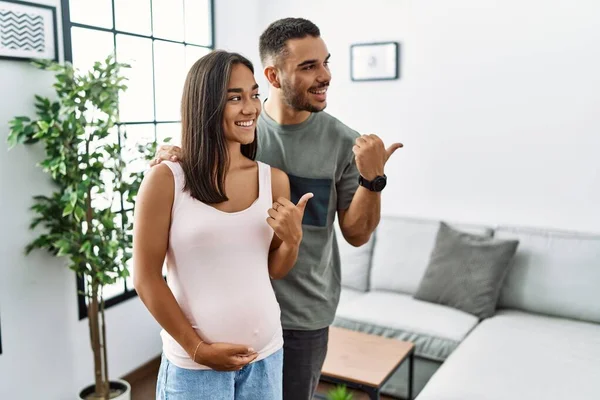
(355, 262)
(554, 273)
(348, 295)
(466, 271)
(402, 251)
(436, 330)
(516, 355)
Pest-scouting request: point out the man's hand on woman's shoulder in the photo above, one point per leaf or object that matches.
(166, 152)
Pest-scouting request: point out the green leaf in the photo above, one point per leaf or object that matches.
(73, 199)
(79, 213)
(339, 393)
(86, 248)
(63, 247)
(39, 243)
(39, 134)
(41, 198)
(13, 139)
(68, 210)
(44, 126)
(36, 222)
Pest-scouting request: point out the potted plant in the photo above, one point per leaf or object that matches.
(89, 176)
(339, 393)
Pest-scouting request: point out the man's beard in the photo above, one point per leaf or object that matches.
(298, 100)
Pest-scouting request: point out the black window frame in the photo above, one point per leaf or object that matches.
(67, 24)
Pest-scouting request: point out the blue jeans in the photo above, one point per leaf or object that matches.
(261, 380)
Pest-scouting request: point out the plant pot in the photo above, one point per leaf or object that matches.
(121, 389)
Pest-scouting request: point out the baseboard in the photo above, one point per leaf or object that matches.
(144, 371)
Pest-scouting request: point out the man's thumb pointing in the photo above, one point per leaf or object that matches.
(390, 150)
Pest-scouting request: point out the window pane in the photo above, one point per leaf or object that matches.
(96, 13)
(167, 19)
(113, 290)
(131, 137)
(118, 287)
(164, 131)
(198, 22)
(129, 263)
(85, 54)
(137, 102)
(169, 64)
(192, 54)
(133, 16)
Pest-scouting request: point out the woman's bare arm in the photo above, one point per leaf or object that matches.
(286, 221)
(152, 221)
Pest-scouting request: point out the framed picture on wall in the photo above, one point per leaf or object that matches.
(28, 31)
(375, 61)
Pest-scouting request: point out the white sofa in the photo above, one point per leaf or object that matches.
(543, 342)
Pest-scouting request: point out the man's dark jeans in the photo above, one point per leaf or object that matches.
(303, 357)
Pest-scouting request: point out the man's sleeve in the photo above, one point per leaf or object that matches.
(347, 185)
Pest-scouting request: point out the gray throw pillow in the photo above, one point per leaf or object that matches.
(466, 271)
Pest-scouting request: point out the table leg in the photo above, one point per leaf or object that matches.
(411, 362)
(373, 393)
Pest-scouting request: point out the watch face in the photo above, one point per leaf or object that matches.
(379, 184)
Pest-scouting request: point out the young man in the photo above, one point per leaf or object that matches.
(323, 156)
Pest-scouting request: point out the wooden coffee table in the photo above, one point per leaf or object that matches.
(365, 362)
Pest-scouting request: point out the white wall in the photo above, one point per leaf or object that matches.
(238, 25)
(497, 104)
(46, 350)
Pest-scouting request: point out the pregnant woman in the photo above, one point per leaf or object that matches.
(214, 215)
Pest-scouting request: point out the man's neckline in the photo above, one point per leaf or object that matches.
(286, 127)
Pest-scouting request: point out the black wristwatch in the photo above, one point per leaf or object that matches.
(376, 185)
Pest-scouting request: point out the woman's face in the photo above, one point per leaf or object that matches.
(242, 107)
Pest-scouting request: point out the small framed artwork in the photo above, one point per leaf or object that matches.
(28, 31)
(375, 61)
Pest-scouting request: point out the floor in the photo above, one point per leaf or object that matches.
(143, 387)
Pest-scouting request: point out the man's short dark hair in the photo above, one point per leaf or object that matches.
(273, 40)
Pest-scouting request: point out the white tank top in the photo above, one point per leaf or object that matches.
(217, 268)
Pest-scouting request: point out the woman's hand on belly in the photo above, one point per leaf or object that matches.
(225, 356)
(251, 323)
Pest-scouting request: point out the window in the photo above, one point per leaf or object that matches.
(160, 39)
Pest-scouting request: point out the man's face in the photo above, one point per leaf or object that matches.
(305, 75)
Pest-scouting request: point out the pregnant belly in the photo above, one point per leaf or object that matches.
(246, 323)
